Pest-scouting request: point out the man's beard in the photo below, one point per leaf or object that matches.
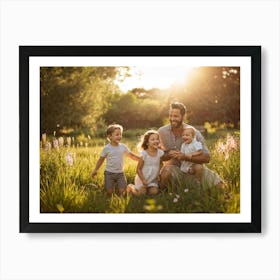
(176, 124)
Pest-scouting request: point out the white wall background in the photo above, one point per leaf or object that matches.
(138, 256)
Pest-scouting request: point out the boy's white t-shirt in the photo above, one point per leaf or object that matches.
(114, 157)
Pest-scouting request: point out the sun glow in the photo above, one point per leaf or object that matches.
(155, 77)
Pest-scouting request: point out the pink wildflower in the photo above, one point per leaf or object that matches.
(69, 159)
(231, 142)
(48, 146)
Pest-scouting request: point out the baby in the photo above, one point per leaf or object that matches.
(192, 148)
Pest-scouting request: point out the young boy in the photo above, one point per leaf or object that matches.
(193, 148)
(114, 153)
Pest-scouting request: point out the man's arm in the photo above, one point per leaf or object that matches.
(202, 158)
(166, 156)
(196, 153)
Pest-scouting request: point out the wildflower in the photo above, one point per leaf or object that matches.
(186, 190)
(225, 148)
(231, 142)
(226, 155)
(60, 141)
(159, 207)
(150, 201)
(149, 207)
(69, 159)
(60, 208)
(68, 140)
(55, 144)
(175, 200)
(48, 146)
(177, 196)
(221, 147)
(44, 137)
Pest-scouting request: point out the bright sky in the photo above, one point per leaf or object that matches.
(155, 77)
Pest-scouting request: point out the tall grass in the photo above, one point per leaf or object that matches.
(66, 185)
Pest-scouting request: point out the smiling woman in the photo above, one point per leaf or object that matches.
(149, 77)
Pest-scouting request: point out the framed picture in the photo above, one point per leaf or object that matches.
(81, 104)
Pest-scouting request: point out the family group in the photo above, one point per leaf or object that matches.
(172, 155)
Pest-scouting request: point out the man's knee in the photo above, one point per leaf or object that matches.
(153, 190)
(197, 168)
(165, 176)
(165, 171)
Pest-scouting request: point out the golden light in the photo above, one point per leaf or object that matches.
(155, 77)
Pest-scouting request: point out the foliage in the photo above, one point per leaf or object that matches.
(74, 97)
(67, 187)
(133, 112)
(212, 94)
(88, 98)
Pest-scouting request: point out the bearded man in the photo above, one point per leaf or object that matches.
(171, 141)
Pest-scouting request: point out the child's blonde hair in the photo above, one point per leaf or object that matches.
(192, 130)
(145, 139)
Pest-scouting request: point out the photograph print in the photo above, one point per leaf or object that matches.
(140, 139)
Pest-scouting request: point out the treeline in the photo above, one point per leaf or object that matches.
(75, 98)
(211, 94)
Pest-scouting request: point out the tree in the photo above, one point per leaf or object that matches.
(213, 94)
(133, 111)
(75, 97)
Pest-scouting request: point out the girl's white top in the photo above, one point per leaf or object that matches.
(150, 169)
(187, 149)
(114, 157)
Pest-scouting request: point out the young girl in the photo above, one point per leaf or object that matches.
(193, 148)
(146, 180)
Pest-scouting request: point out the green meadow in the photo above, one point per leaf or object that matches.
(66, 185)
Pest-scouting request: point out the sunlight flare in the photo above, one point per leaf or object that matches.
(149, 77)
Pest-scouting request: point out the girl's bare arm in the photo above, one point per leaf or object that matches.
(139, 171)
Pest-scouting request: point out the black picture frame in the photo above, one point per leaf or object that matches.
(253, 52)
